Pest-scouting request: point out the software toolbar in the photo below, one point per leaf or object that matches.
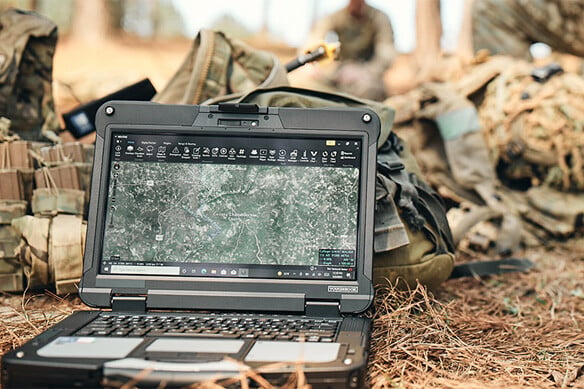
(295, 151)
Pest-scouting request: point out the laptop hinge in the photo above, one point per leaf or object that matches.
(129, 304)
(322, 308)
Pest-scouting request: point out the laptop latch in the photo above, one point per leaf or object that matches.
(322, 308)
(239, 108)
(129, 304)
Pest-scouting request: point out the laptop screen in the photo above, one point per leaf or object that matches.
(215, 206)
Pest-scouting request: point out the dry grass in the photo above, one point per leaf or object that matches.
(514, 330)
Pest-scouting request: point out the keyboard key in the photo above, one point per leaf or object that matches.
(244, 327)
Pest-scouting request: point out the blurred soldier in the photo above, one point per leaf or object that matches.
(511, 26)
(367, 50)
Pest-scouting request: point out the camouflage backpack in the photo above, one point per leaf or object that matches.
(412, 238)
(27, 46)
(526, 141)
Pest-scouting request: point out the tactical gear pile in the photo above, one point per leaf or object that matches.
(535, 133)
(514, 156)
(43, 189)
(44, 250)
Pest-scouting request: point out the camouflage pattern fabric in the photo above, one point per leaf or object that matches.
(511, 26)
(27, 45)
(11, 275)
(534, 130)
(11, 209)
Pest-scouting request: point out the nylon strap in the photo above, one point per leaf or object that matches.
(486, 268)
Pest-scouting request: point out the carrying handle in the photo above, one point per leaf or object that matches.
(51, 184)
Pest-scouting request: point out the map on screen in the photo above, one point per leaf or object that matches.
(219, 213)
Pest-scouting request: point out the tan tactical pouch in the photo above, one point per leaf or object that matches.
(53, 199)
(66, 246)
(52, 250)
(69, 165)
(34, 250)
(16, 170)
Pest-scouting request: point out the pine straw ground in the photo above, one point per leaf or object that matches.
(511, 331)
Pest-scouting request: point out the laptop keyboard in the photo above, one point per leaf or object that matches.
(231, 327)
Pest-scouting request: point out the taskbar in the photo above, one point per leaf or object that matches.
(230, 270)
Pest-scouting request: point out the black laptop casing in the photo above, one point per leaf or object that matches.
(143, 294)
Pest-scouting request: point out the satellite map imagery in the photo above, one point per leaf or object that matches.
(215, 213)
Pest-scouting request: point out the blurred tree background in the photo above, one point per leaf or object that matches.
(97, 19)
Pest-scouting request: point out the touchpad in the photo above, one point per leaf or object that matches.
(199, 346)
(89, 347)
(268, 351)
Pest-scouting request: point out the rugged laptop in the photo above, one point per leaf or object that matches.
(222, 240)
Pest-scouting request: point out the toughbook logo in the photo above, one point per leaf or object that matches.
(343, 289)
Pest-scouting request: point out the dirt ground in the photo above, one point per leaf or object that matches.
(513, 331)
